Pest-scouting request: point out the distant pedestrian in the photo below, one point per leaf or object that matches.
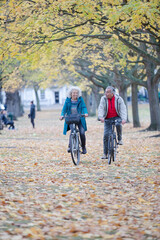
(32, 114)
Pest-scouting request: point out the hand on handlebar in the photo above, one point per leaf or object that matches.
(84, 115)
(102, 120)
(123, 122)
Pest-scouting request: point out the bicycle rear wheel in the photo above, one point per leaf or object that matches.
(75, 151)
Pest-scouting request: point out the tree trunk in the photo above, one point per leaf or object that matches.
(92, 100)
(0, 93)
(153, 106)
(123, 94)
(13, 102)
(37, 99)
(86, 100)
(95, 99)
(92, 104)
(97, 95)
(135, 114)
(1, 127)
(153, 98)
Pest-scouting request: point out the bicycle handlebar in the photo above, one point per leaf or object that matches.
(113, 121)
(81, 115)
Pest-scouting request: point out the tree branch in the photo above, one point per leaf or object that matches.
(68, 28)
(135, 80)
(157, 76)
(137, 39)
(138, 50)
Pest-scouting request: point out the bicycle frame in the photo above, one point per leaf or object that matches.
(75, 144)
(112, 141)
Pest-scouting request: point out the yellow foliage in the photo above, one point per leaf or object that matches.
(13, 83)
(34, 27)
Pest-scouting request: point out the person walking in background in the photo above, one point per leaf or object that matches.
(111, 107)
(75, 104)
(32, 113)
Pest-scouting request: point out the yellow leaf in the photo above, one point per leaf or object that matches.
(141, 200)
(31, 180)
(76, 203)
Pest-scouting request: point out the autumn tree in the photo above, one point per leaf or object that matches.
(109, 66)
(11, 82)
(134, 23)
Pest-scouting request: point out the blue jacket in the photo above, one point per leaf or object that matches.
(81, 109)
(32, 111)
(4, 119)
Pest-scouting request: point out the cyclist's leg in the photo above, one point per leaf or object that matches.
(119, 129)
(11, 124)
(83, 138)
(8, 124)
(69, 145)
(107, 129)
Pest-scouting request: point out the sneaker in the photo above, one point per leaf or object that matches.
(120, 142)
(104, 156)
(68, 150)
(84, 151)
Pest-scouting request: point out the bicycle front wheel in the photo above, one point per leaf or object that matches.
(75, 151)
(110, 149)
(114, 149)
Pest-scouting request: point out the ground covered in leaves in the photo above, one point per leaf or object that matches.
(44, 196)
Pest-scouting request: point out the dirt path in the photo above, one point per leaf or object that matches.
(44, 196)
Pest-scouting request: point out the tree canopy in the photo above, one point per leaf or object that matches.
(43, 32)
(25, 24)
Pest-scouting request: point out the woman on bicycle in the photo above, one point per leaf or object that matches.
(74, 104)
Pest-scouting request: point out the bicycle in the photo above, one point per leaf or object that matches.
(75, 143)
(112, 141)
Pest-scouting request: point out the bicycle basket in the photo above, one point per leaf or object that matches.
(72, 118)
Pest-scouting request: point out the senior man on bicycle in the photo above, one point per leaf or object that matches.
(112, 107)
(75, 104)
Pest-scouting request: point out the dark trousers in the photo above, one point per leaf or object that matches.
(11, 124)
(32, 121)
(107, 130)
(82, 134)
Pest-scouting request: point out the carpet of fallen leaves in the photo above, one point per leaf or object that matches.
(44, 196)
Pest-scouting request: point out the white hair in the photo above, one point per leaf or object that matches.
(111, 88)
(74, 88)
